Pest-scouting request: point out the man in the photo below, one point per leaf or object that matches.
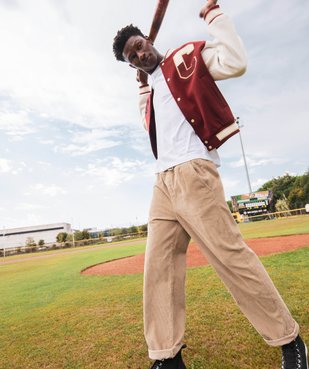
(188, 119)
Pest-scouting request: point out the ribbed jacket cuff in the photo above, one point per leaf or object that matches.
(213, 13)
(144, 89)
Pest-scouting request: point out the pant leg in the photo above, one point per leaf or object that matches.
(205, 215)
(164, 277)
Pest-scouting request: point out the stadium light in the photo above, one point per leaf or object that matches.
(244, 156)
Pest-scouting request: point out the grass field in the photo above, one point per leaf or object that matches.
(72, 249)
(277, 227)
(53, 317)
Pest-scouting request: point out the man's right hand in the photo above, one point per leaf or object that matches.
(142, 77)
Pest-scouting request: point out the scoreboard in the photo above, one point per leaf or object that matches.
(256, 203)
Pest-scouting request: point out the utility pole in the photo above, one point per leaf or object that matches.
(244, 156)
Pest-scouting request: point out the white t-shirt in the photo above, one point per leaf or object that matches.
(176, 140)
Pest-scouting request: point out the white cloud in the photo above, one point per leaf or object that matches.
(85, 142)
(30, 219)
(44, 164)
(49, 65)
(16, 124)
(289, 172)
(29, 206)
(11, 167)
(230, 182)
(259, 182)
(46, 142)
(255, 161)
(5, 166)
(76, 150)
(50, 190)
(114, 171)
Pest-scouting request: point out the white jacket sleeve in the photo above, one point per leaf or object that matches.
(144, 93)
(225, 55)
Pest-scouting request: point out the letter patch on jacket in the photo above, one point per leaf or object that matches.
(183, 69)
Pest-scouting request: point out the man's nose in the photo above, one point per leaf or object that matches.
(141, 55)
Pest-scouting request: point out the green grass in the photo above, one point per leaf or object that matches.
(276, 227)
(73, 249)
(53, 317)
(220, 336)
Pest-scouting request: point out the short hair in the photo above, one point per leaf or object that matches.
(122, 37)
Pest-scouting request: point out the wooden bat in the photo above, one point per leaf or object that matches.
(154, 29)
(157, 19)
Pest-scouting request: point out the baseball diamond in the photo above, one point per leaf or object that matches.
(261, 246)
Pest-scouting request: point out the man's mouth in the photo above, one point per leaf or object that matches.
(146, 60)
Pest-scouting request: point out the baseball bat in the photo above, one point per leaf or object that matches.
(157, 19)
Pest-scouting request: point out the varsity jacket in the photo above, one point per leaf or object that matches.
(195, 92)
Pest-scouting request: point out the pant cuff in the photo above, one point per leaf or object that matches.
(284, 340)
(164, 354)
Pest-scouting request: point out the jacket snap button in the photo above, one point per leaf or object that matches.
(192, 120)
(206, 142)
(178, 99)
(210, 147)
(168, 79)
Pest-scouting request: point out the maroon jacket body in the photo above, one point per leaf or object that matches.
(197, 96)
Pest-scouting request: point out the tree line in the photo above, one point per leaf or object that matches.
(111, 232)
(289, 192)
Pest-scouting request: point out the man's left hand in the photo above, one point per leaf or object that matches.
(206, 7)
(142, 77)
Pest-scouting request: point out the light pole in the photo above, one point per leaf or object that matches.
(244, 156)
(4, 242)
(72, 231)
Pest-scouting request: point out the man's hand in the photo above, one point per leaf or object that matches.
(142, 77)
(206, 7)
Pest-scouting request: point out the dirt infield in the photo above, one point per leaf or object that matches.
(261, 246)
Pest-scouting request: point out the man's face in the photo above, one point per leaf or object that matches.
(141, 54)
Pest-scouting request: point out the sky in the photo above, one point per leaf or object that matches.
(72, 147)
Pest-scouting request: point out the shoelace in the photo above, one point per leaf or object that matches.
(290, 357)
(158, 364)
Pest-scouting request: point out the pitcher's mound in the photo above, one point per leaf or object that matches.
(261, 246)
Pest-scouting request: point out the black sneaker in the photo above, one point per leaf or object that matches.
(174, 363)
(295, 355)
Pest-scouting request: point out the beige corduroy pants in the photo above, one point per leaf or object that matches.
(188, 202)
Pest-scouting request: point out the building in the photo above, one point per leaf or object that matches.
(18, 237)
